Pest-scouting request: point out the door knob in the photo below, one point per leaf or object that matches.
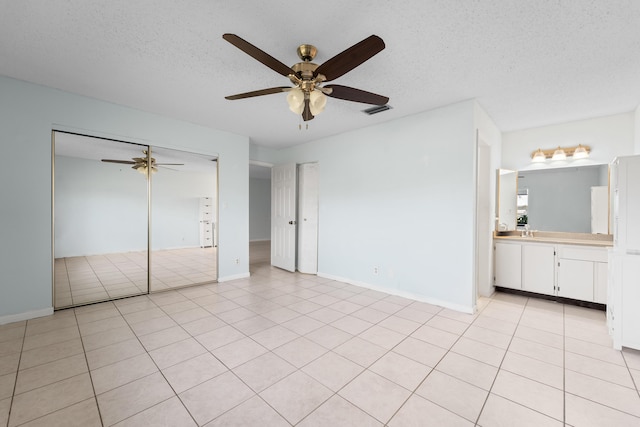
(292, 222)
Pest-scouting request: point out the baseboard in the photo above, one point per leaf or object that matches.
(26, 315)
(403, 294)
(233, 277)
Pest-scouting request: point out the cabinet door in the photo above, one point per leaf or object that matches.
(508, 265)
(600, 279)
(538, 269)
(575, 279)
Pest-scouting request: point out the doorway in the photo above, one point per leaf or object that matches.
(259, 215)
(128, 219)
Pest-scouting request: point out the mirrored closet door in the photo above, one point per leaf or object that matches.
(100, 220)
(113, 201)
(183, 219)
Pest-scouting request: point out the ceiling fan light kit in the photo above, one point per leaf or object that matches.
(308, 98)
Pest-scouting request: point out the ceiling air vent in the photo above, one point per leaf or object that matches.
(377, 109)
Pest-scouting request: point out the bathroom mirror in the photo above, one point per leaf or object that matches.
(568, 199)
(507, 187)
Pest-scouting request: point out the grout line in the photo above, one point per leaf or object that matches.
(156, 365)
(15, 381)
(502, 361)
(635, 384)
(86, 360)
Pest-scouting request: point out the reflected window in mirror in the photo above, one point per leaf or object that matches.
(522, 206)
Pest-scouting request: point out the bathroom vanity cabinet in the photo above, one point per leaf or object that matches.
(576, 271)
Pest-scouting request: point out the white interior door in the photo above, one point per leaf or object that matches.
(308, 216)
(283, 216)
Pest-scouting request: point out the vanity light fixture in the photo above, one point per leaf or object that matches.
(560, 153)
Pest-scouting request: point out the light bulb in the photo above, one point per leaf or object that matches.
(317, 101)
(580, 153)
(559, 154)
(295, 99)
(538, 156)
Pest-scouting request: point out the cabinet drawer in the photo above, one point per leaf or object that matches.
(583, 253)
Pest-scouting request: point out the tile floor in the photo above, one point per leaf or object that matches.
(86, 279)
(281, 349)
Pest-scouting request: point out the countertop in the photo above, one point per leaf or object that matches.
(584, 239)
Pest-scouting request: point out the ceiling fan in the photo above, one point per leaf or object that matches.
(141, 163)
(307, 97)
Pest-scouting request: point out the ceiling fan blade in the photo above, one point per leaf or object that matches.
(349, 59)
(258, 54)
(258, 93)
(356, 95)
(170, 169)
(306, 113)
(124, 162)
(168, 164)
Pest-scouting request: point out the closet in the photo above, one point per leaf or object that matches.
(127, 219)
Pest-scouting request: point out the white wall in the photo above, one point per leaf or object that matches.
(608, 137)
(400, 196)
(259, 209)
(28, 113)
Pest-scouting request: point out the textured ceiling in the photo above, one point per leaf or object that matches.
(527, 63)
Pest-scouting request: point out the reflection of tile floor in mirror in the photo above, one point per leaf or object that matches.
(86, 279)
(289, 349)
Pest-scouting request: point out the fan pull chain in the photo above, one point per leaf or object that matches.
(306, 125)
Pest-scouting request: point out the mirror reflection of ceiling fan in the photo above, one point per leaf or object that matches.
(140, 163)
(308, 97)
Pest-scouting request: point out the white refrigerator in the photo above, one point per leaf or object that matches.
(623, 299)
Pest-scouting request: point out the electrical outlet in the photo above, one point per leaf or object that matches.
(375, 270)
(237, 260)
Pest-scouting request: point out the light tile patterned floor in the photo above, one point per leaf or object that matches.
(281, 349)
(87, 279)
